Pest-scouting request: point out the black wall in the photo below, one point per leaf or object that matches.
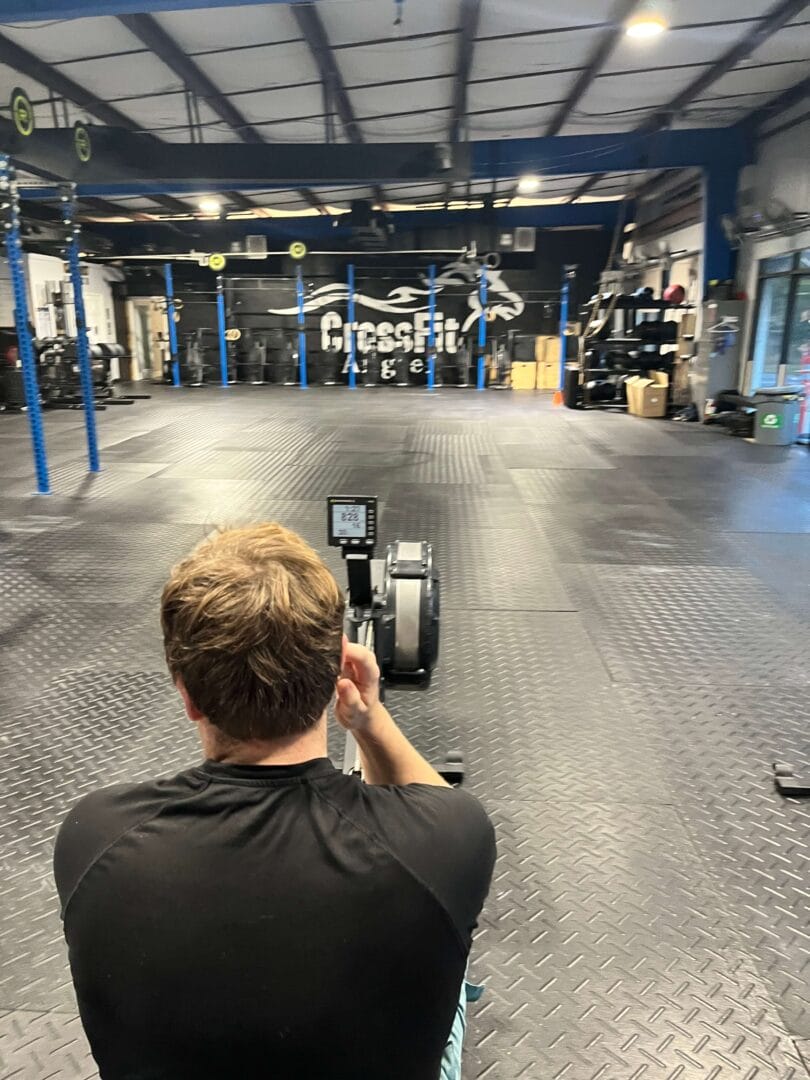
(525, 299)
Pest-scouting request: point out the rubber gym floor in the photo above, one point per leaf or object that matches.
(624, 654)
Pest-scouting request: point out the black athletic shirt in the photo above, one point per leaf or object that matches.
(280, 922)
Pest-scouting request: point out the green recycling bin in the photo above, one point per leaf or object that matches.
(777, 419)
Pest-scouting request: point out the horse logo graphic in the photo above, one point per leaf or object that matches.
(502, 302)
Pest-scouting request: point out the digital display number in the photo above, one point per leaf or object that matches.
(348, 521)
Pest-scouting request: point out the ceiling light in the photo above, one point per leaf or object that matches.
(210, 206)
(529, 184)
(648, 21)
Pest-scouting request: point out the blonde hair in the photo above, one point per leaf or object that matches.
(252, 623)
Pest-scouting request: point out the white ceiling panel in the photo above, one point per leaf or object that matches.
(492, 58)
(698, 11)
(397, 60)
(623, 92)
(153, 114)
(513, 92)
(397, 99)
(698, 46)
(585, 126)
(520, 16)
(412, 192)
(718, 115)
(68, 39)
(218, 27)
(362, 20)
(792, 43)
(280, 105)
(219, 134)
(510, 125)
(244, 69)
(140, 203)
(751, 80)
(421, 127)
(274, 198)
(293, 204)
(114, 77)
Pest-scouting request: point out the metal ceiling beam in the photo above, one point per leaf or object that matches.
(606, 43)
(314, 32)
(795, 95)
(469, 20)
(779, 16)
(21, 60)
(37, 10)
(155, 38)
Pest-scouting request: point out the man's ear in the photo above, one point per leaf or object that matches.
(192, 712)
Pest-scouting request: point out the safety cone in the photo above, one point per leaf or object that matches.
(558, 398)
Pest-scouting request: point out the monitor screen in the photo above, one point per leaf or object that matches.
(348, 521)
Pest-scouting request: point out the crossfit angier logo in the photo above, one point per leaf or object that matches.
(409, 300)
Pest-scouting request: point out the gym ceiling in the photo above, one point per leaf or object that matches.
(366, 71)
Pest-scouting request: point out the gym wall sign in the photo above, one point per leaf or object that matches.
(458, 281)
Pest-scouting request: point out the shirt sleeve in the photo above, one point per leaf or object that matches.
(444, 838)
(98, 820)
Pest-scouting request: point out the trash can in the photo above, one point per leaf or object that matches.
(777, 419)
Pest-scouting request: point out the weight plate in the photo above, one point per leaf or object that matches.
(22, 112)
(81, 142)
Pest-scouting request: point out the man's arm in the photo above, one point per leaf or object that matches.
(386, 755)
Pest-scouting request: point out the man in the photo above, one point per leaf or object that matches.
(262, 914)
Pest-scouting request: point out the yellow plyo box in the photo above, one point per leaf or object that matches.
(524, 375)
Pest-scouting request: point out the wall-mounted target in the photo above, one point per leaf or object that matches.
(297, 250)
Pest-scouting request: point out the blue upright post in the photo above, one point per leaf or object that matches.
(302, 334)
(223, 344)
(82, 342)
(167, 273)
(352, 350)
(564, 297)
(8, 193)
(431, 372)
(482, 325)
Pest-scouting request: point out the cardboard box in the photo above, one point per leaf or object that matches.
(524, 376)
(547, 355)
(647, 394)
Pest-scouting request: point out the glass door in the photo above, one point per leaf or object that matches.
(797, 354)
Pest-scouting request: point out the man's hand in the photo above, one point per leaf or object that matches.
(358, 688)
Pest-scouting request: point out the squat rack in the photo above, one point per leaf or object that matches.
(300, 293)
(10, 207)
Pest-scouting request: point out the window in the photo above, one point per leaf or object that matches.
(779, 264)
(780, 351)
(771, 320)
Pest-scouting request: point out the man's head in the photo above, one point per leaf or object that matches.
(252, 628)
